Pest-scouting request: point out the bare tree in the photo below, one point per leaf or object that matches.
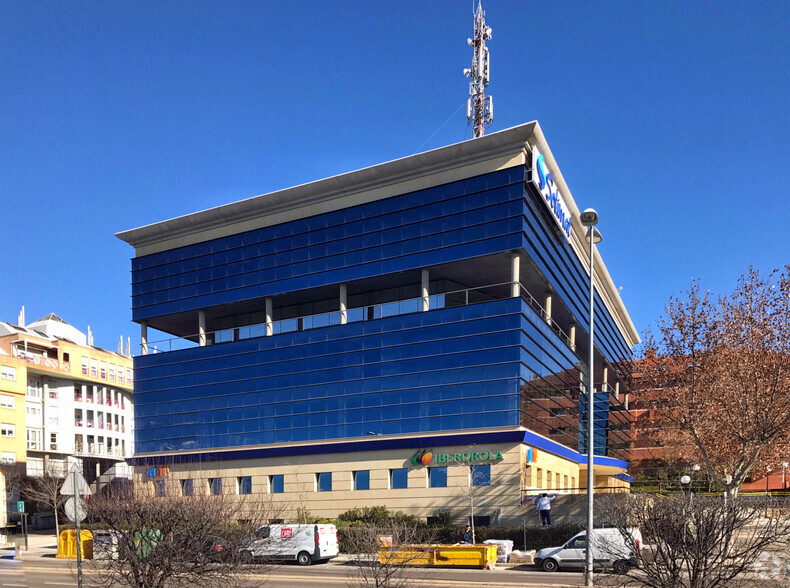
(165, 538)
(382, 551)
(702, 542)
(719, 375)
(45, 489)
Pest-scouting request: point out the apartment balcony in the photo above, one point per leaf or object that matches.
(100, 401)
(77, 422)
(40, 360)
(89, 424)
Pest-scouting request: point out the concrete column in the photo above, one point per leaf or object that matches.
(343, 304)
(269, 325)
(605, 380)
(547, 308)
(202, 328)
(572, 336)
(515, 274)
(617, 390)
(144, 338)
(425, 280)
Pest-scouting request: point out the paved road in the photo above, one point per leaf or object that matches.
(47, 572)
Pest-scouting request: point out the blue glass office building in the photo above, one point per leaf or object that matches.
(434, 304)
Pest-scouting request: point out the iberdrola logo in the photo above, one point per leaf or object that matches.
(422, 457)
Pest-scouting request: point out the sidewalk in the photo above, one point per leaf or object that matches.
(39, 544)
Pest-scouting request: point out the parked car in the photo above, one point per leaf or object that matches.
(304, 544)
(610, 548)
(214, 548)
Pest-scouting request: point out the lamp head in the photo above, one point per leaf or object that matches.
(589, 218)
(685, 480)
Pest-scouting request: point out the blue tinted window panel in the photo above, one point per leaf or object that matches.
(362, 480)
(325, 482)
(216, 486)
(437, 477)
(481, 475)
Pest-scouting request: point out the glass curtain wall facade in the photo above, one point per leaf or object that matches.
(472, 355)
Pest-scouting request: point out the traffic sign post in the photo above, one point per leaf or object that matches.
(76, 486)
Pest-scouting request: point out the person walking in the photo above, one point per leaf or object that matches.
(468, 535)
(544, 508)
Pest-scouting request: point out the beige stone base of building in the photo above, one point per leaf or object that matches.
(499, 479)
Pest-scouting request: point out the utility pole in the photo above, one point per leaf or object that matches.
(479, 107)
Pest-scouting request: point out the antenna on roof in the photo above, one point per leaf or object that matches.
(20, 321)
(479, 107)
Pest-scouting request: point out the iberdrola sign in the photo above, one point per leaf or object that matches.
(426, 457)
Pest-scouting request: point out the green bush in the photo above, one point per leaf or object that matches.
(445, 532)
(377, 515)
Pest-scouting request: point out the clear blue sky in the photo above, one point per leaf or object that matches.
(670, 118)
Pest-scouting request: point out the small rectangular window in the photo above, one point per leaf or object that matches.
(481, 475)
(34, 439)
(437, 477)
(361, 480)
(244, 484)
(160, 489)
(7, 401)
(34, 388)
(7, 430)
(277, 484)
(8, 373)
(323, 481)
(399, 478)
(84, 366)
(8, 457)
(53, 441)
(187, 487)
(215, 486)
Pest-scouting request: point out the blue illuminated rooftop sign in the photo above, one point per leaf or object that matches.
(544, 181)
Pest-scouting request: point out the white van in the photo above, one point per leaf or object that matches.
(305, 544)
(610, 549)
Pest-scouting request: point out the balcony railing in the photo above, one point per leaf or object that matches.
(77, 422)
(37, 359)
(450, 299)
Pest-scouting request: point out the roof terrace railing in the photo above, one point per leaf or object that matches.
(452, 299)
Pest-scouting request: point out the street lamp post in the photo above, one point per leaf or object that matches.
(784, 468)
(589, 218)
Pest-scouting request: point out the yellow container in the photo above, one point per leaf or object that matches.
(479, 556)
(67, 544)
